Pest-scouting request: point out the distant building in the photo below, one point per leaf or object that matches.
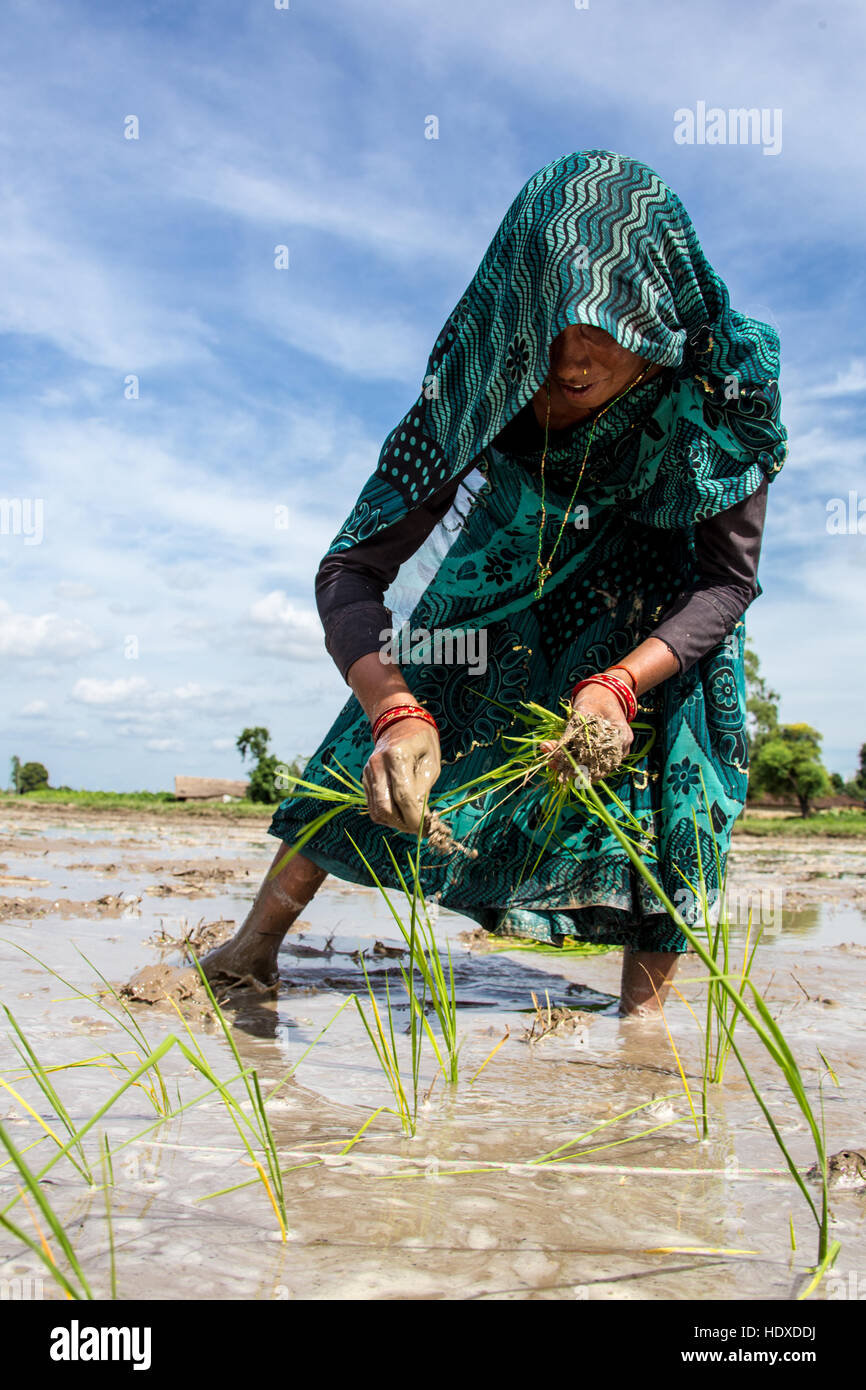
(208, 788)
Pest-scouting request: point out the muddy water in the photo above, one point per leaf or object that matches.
(462, 1210)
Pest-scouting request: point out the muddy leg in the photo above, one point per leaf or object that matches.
(253, 949)
(637, 996)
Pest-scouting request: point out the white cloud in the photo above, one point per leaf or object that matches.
(289, 629)
(135, 706)
(851, 381)
(36, 709)
(164, 745)
(91, 691)
(45, 634)
(366, 212)
(165, 506)
(73, 589)
(372, 347)
(94, 311)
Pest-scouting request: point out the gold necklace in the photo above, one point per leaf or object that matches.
(545, 570)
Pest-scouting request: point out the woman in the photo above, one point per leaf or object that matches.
(621, 423)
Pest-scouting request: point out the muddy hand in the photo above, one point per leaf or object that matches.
(400, 772)
(593, 699)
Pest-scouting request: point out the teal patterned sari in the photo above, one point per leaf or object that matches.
(598, 239)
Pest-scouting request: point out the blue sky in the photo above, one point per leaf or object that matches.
(262, 389)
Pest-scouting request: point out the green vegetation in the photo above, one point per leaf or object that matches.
(160, 803)
(788, 761)
(762, 703)
(857, 785)
(838, 822)
(28, 777)
(785, 759)
(268, 777)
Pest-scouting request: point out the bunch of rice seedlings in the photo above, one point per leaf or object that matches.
(591, 746)
(594, 741)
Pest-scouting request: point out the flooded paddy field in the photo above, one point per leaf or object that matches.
(641, 1208)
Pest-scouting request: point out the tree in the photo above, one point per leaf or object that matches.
(32, 776)
(16, 773)
(267, 780)
(762, 703)
(254, 742)
(789, 761)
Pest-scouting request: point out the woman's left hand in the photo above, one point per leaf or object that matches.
(593, 699)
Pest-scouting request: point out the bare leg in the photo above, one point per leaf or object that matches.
(637, 996)
(253, 949)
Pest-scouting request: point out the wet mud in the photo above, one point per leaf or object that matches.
(464, 1210)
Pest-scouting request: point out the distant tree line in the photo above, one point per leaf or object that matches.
(785, 759)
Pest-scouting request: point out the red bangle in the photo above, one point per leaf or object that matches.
(627, 701)
(623, 692)
(398, 712)
(629, 673)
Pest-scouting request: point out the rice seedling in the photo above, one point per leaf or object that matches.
(573, 1149)
(30, 1184)
(384, 1044)
(569, 1150)
(436, 985)
(721, 1016)
(764, 1028)
(40, 1076)
(526, 762)
(420, 937)
(491, 1054)
(152, 1082)
(107, 1183)
(352, 797)
(251, 1122)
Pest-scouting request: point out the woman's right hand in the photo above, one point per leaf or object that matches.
(400, 773)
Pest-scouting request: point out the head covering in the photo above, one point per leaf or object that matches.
(599, 239)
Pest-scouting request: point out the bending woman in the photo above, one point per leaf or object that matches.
(593, 443)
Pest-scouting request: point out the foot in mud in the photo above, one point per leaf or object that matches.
(244, 964)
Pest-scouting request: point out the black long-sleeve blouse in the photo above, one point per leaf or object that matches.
(351, 584)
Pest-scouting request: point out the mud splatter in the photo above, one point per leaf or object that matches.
(157, 984)
(171, 987)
